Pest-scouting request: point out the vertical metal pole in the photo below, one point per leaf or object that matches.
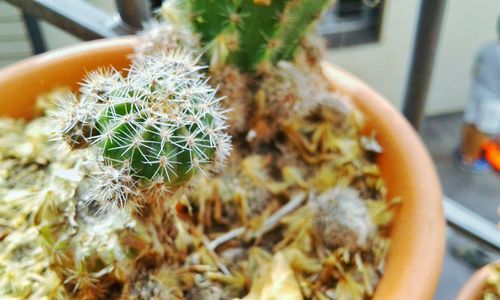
(36, 38)
(134, 12)
(424, 50)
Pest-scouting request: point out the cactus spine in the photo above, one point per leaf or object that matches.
(254, 32)
(156, 127)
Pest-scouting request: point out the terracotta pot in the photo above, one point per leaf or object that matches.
(473, 288)
(418, 239)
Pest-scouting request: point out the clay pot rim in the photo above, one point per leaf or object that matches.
(418, 236)
(473, 288)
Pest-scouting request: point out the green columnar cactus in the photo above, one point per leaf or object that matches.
(211, 17)
(300, 16)
(247, 33)
(154, 128)
(259, 21)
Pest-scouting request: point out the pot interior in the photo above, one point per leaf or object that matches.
(417, 235)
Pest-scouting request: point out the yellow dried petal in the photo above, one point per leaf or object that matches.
(276, 283)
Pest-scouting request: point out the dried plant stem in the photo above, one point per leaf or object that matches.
(295, 201)
(269, 224)
(216, 258)
(226, 237)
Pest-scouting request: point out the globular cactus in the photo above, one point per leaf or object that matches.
(154, 128)
(165, 127)
(253, 33)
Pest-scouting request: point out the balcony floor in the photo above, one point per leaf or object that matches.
(479, 193)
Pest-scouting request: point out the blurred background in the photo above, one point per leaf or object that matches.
(382, 42)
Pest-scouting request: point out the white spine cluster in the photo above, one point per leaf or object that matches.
(164, 37)
(76, 122)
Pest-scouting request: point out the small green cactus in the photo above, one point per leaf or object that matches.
(248, 33)
(161, 131)
(154, 128)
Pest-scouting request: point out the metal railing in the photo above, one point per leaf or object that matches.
(86, 21)
(470, 223)
(422, 62)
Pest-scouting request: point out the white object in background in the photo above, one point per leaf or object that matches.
(489, 116)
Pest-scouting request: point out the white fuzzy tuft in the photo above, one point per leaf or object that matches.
(291, 88)
(342, 218)
(164, 37)
(113, 187)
